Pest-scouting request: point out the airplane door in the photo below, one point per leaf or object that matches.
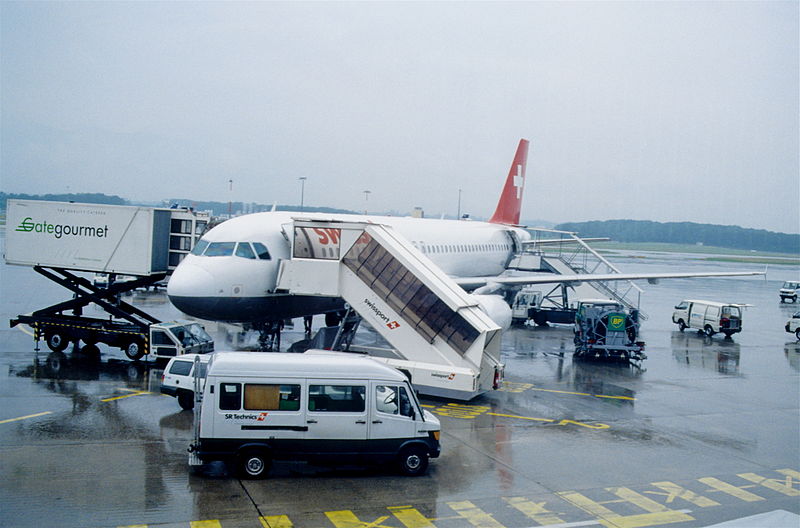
(393, 412)
(337, 410)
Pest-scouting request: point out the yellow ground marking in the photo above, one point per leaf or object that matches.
(133, 393)
(673, 491)
(469, 412)
(510, 386)
(348, 519)
(276, 521)
(738, 492)
(586, 394)
(474, 515)
(658, 515)
(133, 526)
(784, 486)
(205, 524)
(411, 517)
(533, 510)
(791, 474)
(25, 417)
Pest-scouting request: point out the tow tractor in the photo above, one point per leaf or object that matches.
(606, 329)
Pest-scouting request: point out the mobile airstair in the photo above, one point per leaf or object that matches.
(570, 256)
(442, 339)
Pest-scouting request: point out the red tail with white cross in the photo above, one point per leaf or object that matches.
(510, 204)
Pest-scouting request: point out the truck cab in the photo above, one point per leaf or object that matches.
(176, 338)
(789, 290)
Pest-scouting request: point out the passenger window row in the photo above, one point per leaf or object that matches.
(321, 398)
(248, 250)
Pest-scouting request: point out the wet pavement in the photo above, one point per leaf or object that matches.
(708, 430)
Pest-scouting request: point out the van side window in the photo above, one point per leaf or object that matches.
(271, 397)
(230, 396)
(336, 398)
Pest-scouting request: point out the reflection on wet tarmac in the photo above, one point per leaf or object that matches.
(698, 350)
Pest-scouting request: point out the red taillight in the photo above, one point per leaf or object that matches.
(498, 376)
(592, 341)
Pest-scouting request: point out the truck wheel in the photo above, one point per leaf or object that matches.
(134, 349)
(186, 400)
(413, 461)
(794, 299)
(253, 464)
(709, 331)
(681, 325)
(57, 340)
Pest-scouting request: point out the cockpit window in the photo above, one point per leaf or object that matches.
(199, 247)
(244, 250)
(219, 249)
(262, 251)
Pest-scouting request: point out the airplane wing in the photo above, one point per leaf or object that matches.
(471, 283)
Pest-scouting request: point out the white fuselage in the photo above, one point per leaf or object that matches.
(229, 282)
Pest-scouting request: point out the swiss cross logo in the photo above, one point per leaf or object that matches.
(393, 325)
(262, 416)
(451, 376)
(519, 181)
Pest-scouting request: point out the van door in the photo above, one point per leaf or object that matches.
(337, 411)
(712, 318)
(393, 414)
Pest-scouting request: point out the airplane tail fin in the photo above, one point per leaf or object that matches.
(510, 204)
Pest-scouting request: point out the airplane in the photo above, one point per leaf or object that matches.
(232, 273)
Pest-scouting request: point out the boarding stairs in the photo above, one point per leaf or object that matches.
(442, 339)
(575, 256)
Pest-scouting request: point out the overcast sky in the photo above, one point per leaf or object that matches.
(666, 111)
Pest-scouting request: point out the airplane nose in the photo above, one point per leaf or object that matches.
(190, 288)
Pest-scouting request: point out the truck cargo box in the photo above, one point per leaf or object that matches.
(88, 237)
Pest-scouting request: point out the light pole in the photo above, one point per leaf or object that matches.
(230, 197)
(366, 199)
(302, 190)
(458, 216)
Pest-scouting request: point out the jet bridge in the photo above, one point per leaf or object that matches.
(448, 345)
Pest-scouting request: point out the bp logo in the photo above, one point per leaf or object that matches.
(616, 323)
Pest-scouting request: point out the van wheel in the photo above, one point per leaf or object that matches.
(709, 331)
(253, 464)
(413, 461)
(729, 334)
(57, 340)
(186, 400)
(681, 325)
(134, 350)
(797, 334)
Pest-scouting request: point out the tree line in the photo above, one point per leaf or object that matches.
(686, 233)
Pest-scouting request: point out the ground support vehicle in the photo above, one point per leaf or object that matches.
(789, 290)
(134, 331)
(527, 306)
(179, 376)
(709, 317)
(605, 329)
(793, 325)
(320, 407)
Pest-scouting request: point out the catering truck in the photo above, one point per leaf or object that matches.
(325, 408)
(61, 240)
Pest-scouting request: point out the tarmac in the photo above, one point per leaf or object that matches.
(707, 431)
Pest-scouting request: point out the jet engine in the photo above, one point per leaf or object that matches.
(496, 308)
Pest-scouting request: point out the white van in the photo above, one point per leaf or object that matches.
(793, 325)
(709, 317)
(178, 378)
(321, 408)
(789, 290)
